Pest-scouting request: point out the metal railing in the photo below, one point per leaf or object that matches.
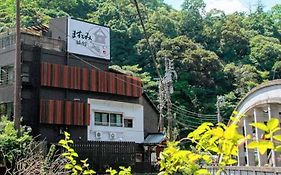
(247, 170)
(8, 39)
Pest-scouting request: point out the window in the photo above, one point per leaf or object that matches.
(116, 120)
(128, 123)
(108, 119)
(101, 119)
(6, 75)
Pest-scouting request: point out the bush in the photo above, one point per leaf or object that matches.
(12, 145)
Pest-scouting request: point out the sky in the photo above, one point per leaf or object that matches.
(228, 6)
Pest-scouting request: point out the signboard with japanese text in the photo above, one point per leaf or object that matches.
(88, 39)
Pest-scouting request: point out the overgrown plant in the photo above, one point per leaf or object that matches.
(213, 144)
(72, 163)
(12, 145)
(82, 167)
(270, 140)
(35, 161)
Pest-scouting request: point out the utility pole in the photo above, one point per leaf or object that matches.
(219, 104)
(17, 71)
(168, 88)
(161, 100)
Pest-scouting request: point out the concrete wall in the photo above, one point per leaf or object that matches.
(128, 110)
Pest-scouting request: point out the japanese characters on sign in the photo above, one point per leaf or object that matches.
(88, 39)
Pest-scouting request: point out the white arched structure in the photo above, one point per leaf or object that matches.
(259, 105)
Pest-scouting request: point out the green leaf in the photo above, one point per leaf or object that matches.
(278, 148)
(68, 166)
(62, 142)
(260, 126)
(272, 124)
(277, 137)
(231, 161)
(74, 154)
(202, 172)
(78, 167)
(262, 146)
(217, 132)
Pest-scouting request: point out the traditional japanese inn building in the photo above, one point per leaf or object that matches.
(67, 85)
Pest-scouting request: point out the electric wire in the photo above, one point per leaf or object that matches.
(189, 116)
(192, 113)
(147, 40)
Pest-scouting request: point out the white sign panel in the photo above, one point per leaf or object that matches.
(88, 39)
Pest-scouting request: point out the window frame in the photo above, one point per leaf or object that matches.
(101, 123)
(129, 119)
(109, 123)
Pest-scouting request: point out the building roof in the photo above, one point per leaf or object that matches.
(154, 139)
(267, 92)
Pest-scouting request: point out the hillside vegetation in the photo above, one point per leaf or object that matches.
(214, 53)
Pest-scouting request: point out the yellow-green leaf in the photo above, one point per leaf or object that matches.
(231, 161)
(202, 172)
(272, 124)
(68, 166)
(278, 148)
(62, 142)
(277, 137)
(217, 132)
(260, 126)
(78, 167)
(262, 146)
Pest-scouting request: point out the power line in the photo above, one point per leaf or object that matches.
(194, 115)
(147, 40)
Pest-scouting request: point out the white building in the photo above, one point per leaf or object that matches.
(259, 105)
(115, 121)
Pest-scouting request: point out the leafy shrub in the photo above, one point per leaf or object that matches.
(213, 144)
(12, 145)
(76, 167)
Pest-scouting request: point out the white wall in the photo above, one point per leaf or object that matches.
(129, 110)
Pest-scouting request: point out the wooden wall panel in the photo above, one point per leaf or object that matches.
(64, 112)
(61, 76)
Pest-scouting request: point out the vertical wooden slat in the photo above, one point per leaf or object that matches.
(68, 112)
(59, 112)
(65, 77)
(48, 74)
(94, 83)
(51, 112)
(85, 79)
(129, 87)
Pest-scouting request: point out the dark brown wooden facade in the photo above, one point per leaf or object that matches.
(64, 112)
(70, 77)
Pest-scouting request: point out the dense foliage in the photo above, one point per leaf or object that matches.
(214, 53)
(12, 145)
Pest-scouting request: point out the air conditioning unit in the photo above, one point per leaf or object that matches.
(98, 135)
(112, 136)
